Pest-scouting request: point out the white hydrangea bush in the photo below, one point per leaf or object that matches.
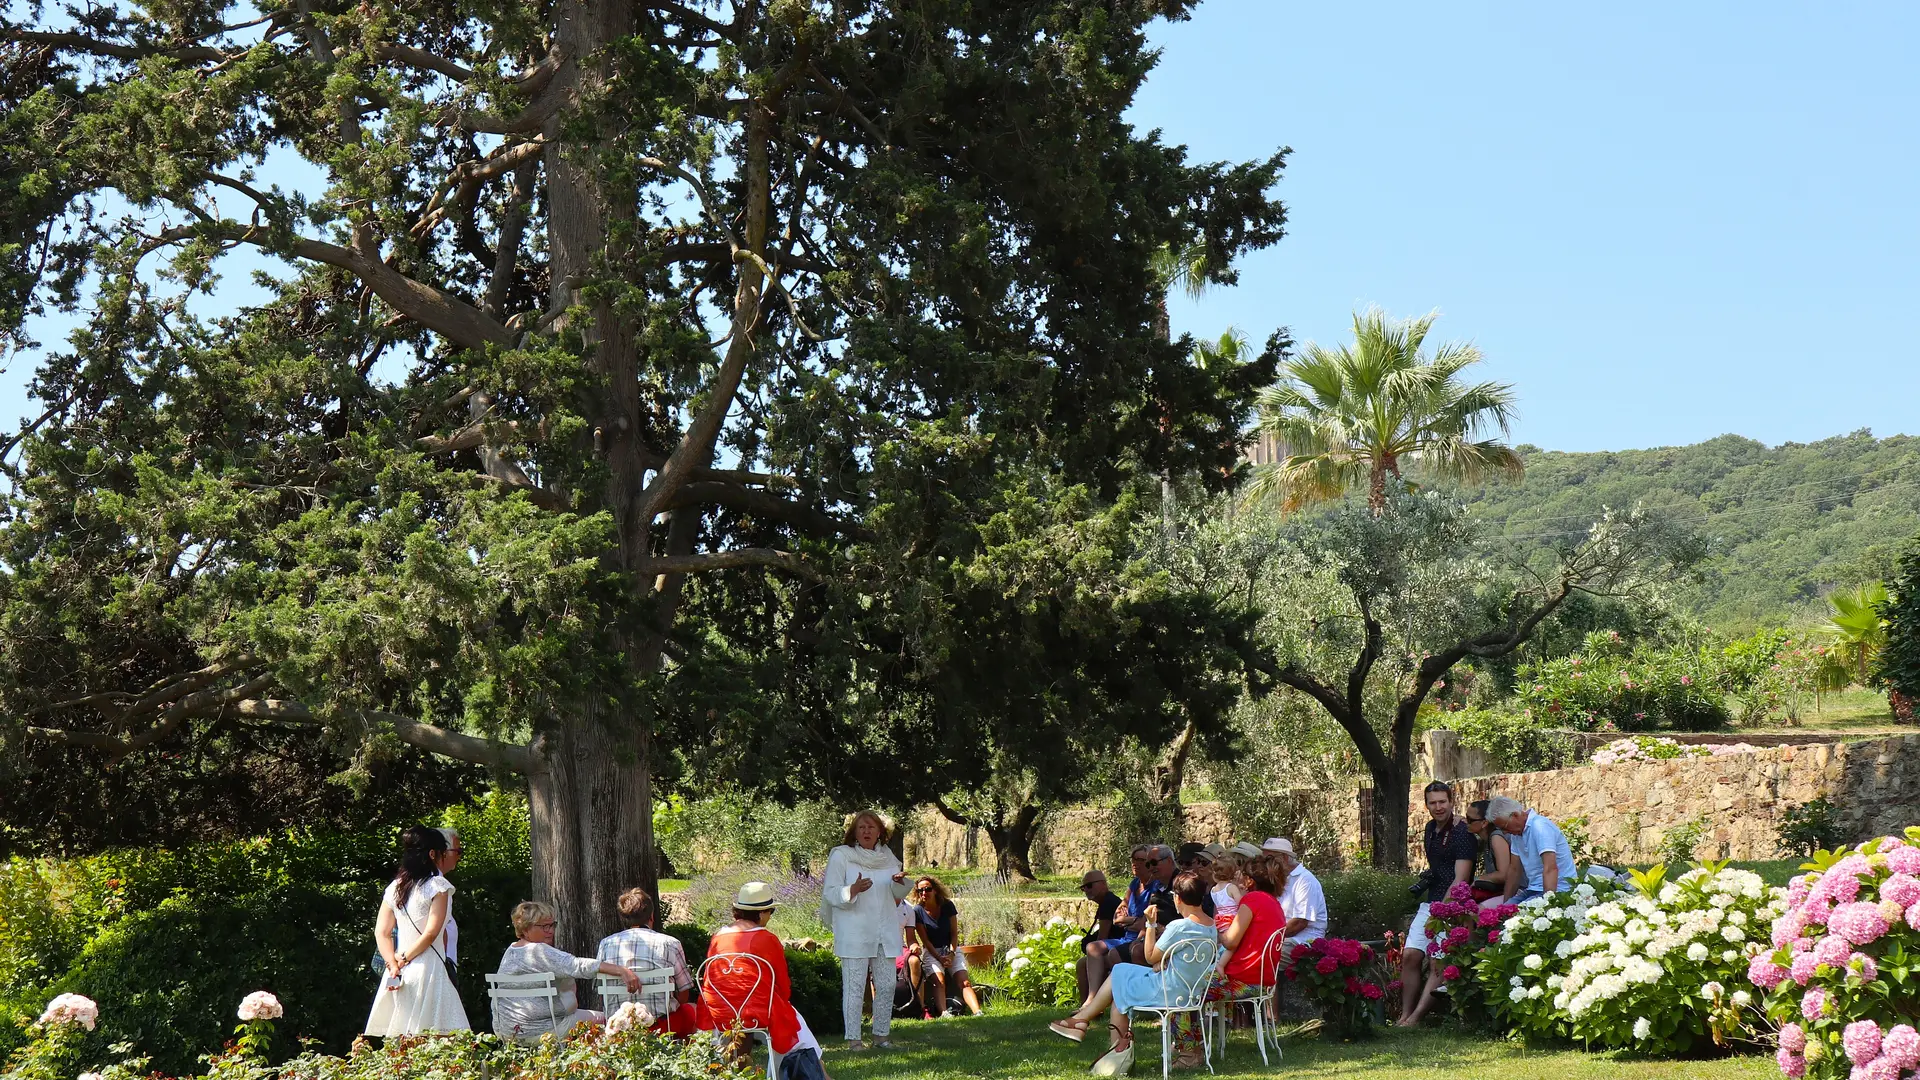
(1523, 969)
(1657, 969)
(1041, 965)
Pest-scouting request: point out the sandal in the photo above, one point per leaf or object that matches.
(1068, 1030)
(857, 1046)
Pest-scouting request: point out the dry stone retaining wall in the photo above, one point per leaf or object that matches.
(1873, 785)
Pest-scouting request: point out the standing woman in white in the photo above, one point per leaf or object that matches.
(864, 883)
(417, 995)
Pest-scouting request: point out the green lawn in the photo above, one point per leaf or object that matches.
(1016, 1043)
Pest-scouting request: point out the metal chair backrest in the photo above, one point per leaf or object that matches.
(1188, 971)
(613, 989)
(1273, 958)
(537, 984)
(736, 965)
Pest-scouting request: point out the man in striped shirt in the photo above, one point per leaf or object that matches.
(640, 947)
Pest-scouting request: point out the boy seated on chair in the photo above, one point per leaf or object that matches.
(640, 947)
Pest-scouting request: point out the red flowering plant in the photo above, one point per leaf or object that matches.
(1460, 930)
(1334, 972)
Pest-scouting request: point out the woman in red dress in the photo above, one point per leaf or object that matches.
(738, 989)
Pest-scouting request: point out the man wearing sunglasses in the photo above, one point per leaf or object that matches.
(1153, 873)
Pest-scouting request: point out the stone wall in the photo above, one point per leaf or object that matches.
(1074, 840)
(1873, 785)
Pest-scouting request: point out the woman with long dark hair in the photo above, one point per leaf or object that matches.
(418, 994)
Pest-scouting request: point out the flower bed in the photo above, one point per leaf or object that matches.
(1653, 748)
(1843, 976)
(1460, 931)
(1655, 968)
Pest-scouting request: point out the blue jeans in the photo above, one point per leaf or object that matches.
(1524, 895)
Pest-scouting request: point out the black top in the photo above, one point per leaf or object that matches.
(939, 928)
(1444, 848)
(1105, 909)
(1491, 871)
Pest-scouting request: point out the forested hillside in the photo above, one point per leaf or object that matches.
(1788, 523)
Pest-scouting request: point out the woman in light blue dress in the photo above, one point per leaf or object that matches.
(1178, 975)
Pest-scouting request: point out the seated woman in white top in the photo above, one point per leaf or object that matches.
(532, 953)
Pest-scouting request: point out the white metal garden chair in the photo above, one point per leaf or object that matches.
(1183, 989)
(654, 981)
(1261, 998)
(539, 984)
(734, 965)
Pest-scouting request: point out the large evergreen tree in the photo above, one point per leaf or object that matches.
(651, 366)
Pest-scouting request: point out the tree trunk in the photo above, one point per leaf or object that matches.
(1172, 773)
(1013, 842)
(591, 802)
(1390, 802)
(591, 792)
(1377, 489)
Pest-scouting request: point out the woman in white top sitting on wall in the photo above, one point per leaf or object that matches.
(417, 995)
(864, 883)
(525, 1020)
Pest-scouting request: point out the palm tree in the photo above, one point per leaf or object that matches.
(1855, 627)
(1361, 413)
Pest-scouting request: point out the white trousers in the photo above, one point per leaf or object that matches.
(854, 972)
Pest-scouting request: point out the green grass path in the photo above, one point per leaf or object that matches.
(1015, 1043)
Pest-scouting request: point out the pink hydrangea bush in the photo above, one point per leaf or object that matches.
(1843, 975)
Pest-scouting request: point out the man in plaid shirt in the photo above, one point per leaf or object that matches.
(640, 947)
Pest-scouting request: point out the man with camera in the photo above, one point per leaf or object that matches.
(1450, 852)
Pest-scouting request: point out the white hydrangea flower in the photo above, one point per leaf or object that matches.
(1555, 982)
(1737, 918)
(1532, 962)
(1542, 924)
(1516, 981)
(1733, 934)
(1535, 993)
(1712, 991)
(1018, 963)
(1642, 1028)
(1742, 998)
(1518, 993)
(1730, 956)
(1696, 952)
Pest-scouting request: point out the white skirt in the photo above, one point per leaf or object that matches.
(426, 1002)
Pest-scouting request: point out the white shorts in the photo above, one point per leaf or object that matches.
(1417, 933)
(931, 963)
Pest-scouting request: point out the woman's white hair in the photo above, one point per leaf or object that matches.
(1500, 808)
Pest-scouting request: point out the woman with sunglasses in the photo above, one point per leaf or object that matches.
(939, 933)
(1496, 855)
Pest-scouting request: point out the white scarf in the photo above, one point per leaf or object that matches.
(878, 858)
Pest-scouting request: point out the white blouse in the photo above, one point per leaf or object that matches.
(867, 924)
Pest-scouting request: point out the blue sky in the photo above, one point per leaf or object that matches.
(1662, 223)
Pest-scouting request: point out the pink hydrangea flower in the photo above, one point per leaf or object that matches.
(1861, 1040)
(1863, 967)
(1814, 1005)
(1877, 1069)
(1859, 923)
(1817, 911)
(1764, 973)
(1901, 1045)
(1451, 973)
(1793, 1037)
(1788, 926)
(1792, 1065)
(261, 1005)
(1797, 891)
(1799, 945)
(71, 1009)
(1803, 966)
(1832, 950)
(1493, 937)
(1902, 889)
(1903, 860)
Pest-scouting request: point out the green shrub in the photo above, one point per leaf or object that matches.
(1676, 847)
(1041, 966)
(1646, 689)
(1365, 904)
(1517, 741)
(1810, 828)
(728, 829)
(694, 940)
(815, 975)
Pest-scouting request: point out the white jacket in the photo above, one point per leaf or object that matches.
(867, 924)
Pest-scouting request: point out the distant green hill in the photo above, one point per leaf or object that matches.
(1788, 524)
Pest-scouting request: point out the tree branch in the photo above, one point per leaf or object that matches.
(459, 322)
(729, 560)
(764, 504)
(96, 47)
(464, 182)
(421, 59)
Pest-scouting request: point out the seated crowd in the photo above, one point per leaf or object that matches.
(1202, 923)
